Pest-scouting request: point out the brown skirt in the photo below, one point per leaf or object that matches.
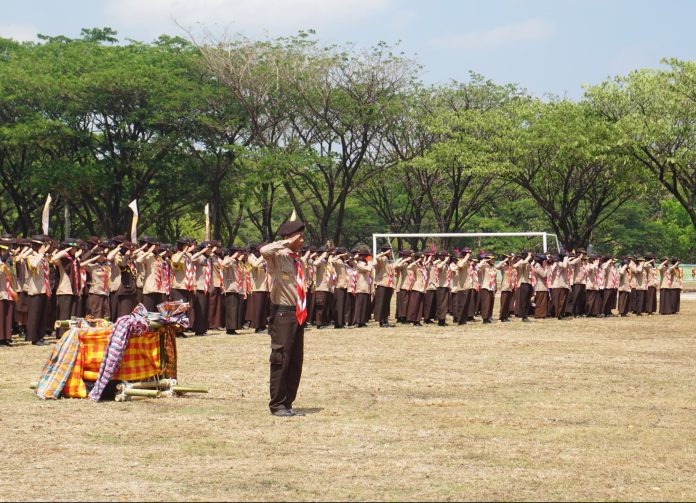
(559, 297)
(441, 303)
(505, 301)
(429, 305)
(362, 309)
(624, 303)
(651, 300)
(608, 300)
(259, 313)
(402, 305)
(232, 321)
(383, 296)
(216, 309)
(487, 301)
(541, 307)
(339, 305)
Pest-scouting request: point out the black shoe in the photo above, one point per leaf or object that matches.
(417, 324)
(39, 343)
(386, 325)
(526, 320)
(339, 326)
(487, 321)
(5, 343)
(201, 334)
(283, 413)
(259, 330)
(361, 325)
(231, 331)
(296, 412)
(506, 320)
(428, 322)
(461, 323)
(441, 323)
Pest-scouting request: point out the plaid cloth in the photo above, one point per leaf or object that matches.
(168, 338)
(141, 360)
(126, 327)
(59, 365)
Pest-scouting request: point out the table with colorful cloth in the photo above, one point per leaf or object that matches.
(97, 351)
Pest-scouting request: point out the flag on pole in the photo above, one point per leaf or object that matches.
(134, 223)
(45, 215)
(293, 217)
(207, 222)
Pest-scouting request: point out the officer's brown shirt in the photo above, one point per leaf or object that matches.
(281, 268)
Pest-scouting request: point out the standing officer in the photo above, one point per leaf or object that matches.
(288, 315)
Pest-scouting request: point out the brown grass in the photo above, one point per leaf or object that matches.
(577, 410)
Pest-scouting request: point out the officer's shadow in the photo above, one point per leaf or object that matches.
(310, 410)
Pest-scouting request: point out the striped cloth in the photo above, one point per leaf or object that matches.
(59, 365)
(126, 327)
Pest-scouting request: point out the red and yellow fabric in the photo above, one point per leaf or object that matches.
(141, 359)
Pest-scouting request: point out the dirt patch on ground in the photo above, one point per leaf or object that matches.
(575, 410)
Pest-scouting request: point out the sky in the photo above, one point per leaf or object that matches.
(544, 46)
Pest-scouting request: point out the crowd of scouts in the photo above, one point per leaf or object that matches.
(42, 280)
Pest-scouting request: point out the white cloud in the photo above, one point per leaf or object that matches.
(529, 30)
(19, 32)
(249, 17)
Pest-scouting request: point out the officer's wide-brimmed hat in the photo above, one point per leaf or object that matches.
(385, 247)
(291, 227)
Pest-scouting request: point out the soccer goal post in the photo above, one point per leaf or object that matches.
(543, 235)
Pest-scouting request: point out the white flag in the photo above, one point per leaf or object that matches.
(293, 217)
(46, 214)
(207, 222)
(134, 223)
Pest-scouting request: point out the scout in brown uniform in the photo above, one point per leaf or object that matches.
(429, 300)
(385, 281)
(288, 315)
(352, 287)
(463, 265)
(489, 285)
(560, 284)
(639, 285)
(115, 278)
(340, 286)
(542, 281)
(153, 274)
(69, 281)
(443, 278)
(402, 284)
(454, 285)
(507, 284)
(624, 272)
(577, 300)
(611, 285)
(99, 270)
(231, 284)
(38, 291)
(216, 301)
(20, 253)
(183, 271)
(8, 291)
(363, 289)
(525, 285)
(594, 286)
(204, 284)
(322, 298)
(418, 279)
(127, 293)
(651, 276)
(260, 290)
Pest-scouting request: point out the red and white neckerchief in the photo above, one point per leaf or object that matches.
(190, 275)
(599, 278)
(532, 279)
(158, 273)
(493, 280)
(208, 275)
(75, 273)
(167, 277)
(614, 278)
(473, 274)
(512, 271)
(247, 279)
(301, 305)
(584, 271)
(569, 273)
(333, 276)
(8, 283)
(47, 283)
(549, 276)
(354, 281)
(653, 272)
(107, 273)
(83, 279)
(448, 277)
(390, 275)
(411, 279)
(426, 275)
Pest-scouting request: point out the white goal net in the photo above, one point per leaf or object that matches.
(545, 237)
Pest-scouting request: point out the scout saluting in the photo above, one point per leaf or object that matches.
(288, 314)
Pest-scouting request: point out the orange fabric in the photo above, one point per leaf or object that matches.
(141, 359)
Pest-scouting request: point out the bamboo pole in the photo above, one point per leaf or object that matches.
(152, 393)
(189, 389)
(153, 325)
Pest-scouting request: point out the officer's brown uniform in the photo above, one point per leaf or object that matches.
(287, 335)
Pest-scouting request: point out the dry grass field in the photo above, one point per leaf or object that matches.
(576, 410)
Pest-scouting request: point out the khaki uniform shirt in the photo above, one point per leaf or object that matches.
(5, 273)
(523, 272)
(420, 275)
(341, 276)
(591, 277)
(179, 260)
(560, 275)
(99, 278)
(638, 277)
(322, 277)
(432, 276)
(400, 268)
(364, 284)
(384, 273)
(454, 277)
(259, 276)
(281, 268)
(624, 278)
(507, 283)
(488, 275)
(152, 267)
(578, 268)
(65, 277)
(541, 275)
(37, 265)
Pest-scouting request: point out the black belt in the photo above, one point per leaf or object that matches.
(283, 308)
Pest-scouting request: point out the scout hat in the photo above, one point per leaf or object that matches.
(291, 227)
